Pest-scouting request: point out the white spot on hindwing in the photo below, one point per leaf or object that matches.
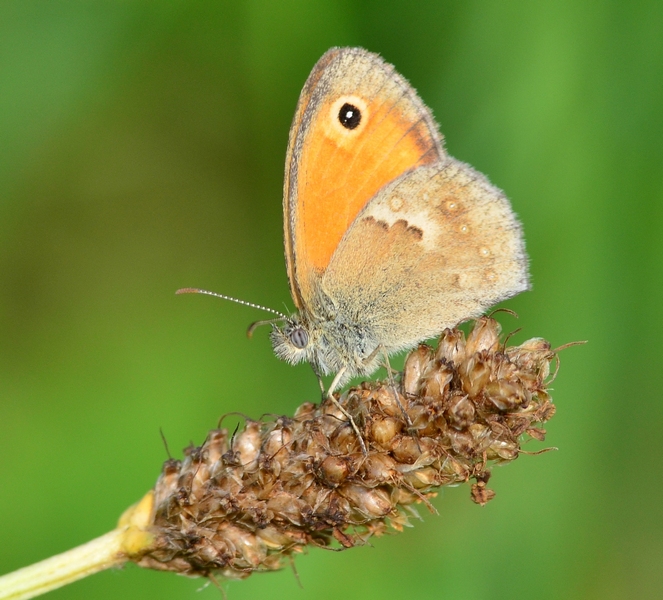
(396, 203)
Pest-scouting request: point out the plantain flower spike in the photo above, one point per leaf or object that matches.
(247, 502)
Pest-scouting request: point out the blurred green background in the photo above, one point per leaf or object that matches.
(141, 150)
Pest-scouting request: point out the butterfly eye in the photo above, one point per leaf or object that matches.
(299, 337)
(349, 116)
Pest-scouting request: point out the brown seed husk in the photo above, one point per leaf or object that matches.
(247, 502)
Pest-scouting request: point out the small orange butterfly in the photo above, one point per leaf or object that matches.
(388, 239)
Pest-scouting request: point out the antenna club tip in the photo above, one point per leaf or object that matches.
(187, 291)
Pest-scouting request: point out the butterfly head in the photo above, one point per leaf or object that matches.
(292, 342)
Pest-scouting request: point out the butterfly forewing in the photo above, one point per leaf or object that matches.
(358, 126)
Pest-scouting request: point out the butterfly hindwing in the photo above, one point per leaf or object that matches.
(433, 248)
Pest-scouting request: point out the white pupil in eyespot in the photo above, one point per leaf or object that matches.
(349, 116)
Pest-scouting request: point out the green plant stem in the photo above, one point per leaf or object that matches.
(94, 556)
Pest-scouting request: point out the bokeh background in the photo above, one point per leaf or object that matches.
(141, 150)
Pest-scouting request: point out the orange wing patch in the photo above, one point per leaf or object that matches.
(339, 173)
(332, 169)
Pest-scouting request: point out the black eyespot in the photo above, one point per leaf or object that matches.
(349, 116)
(299, 337)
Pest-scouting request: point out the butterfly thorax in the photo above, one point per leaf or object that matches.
(329, 344)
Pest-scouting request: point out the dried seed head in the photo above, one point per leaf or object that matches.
(485, 335)
(333, 470)
(506, 395)
(461, 412)
(378, 468)
(416, 363)
(451, 347)
(247, 503)
(476, 372)
(437, 380)
(481, 494)
(384, 430)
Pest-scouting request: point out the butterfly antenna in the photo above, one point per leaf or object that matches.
(223, 297)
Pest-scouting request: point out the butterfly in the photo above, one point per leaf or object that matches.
(388, 239)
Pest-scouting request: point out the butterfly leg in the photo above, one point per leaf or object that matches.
(330, 395)
(320, 382)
